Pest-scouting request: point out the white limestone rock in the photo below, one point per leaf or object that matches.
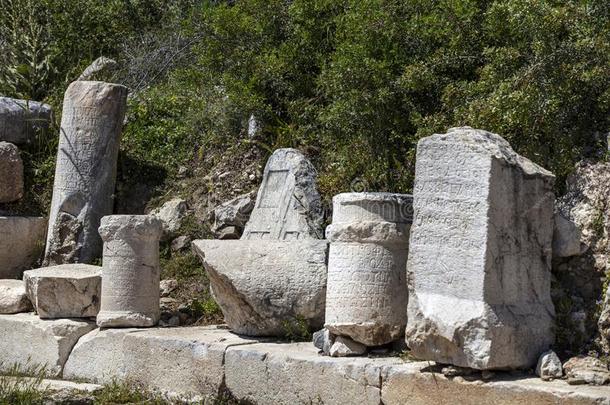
(21, 119)
(31, 342)
(11, 173)
(479, 253)
(171, 215)
(231, 217)
(262, 286)
(549, 366)
(566, 237)
(85, 173)
(323, 340)
(288, 205)
(13, 298)
(65, 291)
(344, 346)
(130, 270)
(21, 244)
(366, 296)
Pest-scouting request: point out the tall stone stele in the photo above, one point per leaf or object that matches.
(479, 266)
(130, 271)
(85, 174)
(366, 292)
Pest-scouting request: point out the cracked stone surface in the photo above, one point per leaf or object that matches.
(479, 266)
(65, 291)
(13, 298)
(32, 342)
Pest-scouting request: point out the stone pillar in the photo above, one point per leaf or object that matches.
(366, 292)
(479, 267)
(85, 174)
(130, 271)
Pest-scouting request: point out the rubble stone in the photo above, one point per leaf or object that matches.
(11, 173)
(21, 119)
(366, 292)
(479, 254)
(549, 366)
(85, 173)
(13, 298)
(130, 292)
(21, 244)
(65, 291)
(344, 346)
(586, 370)
(264, 287)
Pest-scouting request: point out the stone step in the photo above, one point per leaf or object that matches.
(200, 362)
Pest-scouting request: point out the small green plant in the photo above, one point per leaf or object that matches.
(22, 385)
(127, 393)
(296, 330)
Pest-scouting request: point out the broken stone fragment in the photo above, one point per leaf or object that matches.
(265, 288)
(323, 340)
(130, 292)
(21, 119)
(11, 173)
(288, 205)
(479, 265)
(102, 66)
(344, 346)
(13, 298)
(366, 296)
(231, 217)
(85, 172)
(181, 243)
(549, 366)
(21, 244)
(586, 370)
(566, 237)
(171, 215)
(65, 291)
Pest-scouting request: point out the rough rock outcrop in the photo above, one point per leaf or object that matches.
(566, 237)
(265, 287)
(130, 291)
(366, 293)
(288, 205)
(586, 370)
(13, 298)
(21, 119)
(549, 366)
(479, 265)
(21, 244)
(85, 173)
(231, 217)
(65, 291)
(11, 173)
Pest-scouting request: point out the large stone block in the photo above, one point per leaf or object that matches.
(366, 296)
(65, 291)
(296, 374)
(265, 287)
(11, 173)
(31, 342)
(479, 253)
(131, 272)
(20, 119)
(21, 244)
(185, 362)
(85, 172)
(288, 205)
(13, 298)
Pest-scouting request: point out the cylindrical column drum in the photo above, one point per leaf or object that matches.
(366, 293)
(130, 271)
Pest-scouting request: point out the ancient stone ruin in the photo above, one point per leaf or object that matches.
(479, 253)
(20, 120)
(367, 289)
(85, 172)
(130, 291)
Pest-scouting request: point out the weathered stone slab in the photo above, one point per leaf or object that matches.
(13, 298)
(366, 293)
(479, 253)
(85, 173)
(11, 173)
(20, 119)
(32, 342)
(288, 205)
(21, 244)
(131, 272)
(296, 374)
(186, 362)
(65, 291)
(264, 287)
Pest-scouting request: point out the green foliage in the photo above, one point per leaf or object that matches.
(126, 393)
(22, 385)
(296, 330)
(180, 266)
